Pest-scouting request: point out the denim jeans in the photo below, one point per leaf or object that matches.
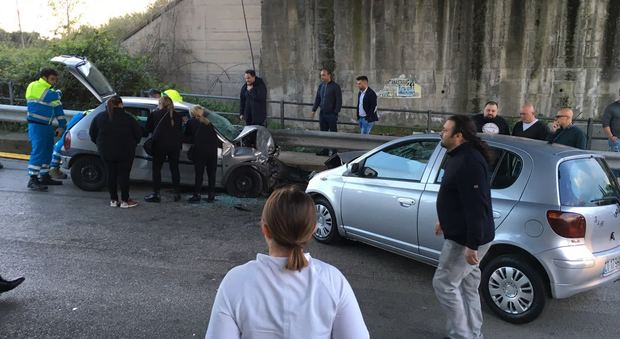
(365, 126)
(614, 146)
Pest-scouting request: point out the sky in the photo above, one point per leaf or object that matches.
(36, 15)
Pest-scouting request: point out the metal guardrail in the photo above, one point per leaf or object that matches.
(11, 113)
(341, 141)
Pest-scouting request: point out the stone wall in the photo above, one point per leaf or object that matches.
(202, 45)
(463, 53)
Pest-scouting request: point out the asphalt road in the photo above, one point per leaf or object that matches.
(152, 271)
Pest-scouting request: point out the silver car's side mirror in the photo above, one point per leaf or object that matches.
(355, 168)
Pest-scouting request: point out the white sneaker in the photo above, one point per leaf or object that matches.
(114, 203)
(129, 203)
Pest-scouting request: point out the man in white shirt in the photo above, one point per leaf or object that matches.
(529, 126)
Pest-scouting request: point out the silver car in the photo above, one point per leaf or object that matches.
(556, 211)
(247, 159)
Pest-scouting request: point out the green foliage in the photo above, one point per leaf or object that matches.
(122, 27)
(127, 74)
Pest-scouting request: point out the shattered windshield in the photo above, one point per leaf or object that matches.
(226, 129)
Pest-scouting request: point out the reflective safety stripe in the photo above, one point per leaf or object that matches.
(34, 167)
(40, 117)
(52, 104)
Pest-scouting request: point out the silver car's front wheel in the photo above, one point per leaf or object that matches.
(326, 225)
(513, 288)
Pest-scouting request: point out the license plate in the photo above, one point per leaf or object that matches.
(611, 266)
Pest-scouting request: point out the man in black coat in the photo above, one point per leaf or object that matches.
(329, 99)
(490, 121)
(366, 105)
(253, 108)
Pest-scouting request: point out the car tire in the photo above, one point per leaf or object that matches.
(244, 182)
(513, 288)
(326, 223)
(88, 173)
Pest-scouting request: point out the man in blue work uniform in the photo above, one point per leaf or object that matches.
(43, 107)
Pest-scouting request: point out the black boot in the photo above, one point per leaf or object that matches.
(6, 285)
(211, 197)
(194, 199)
(35, 185)
(177, 197)
(153, 197)
(47, 180)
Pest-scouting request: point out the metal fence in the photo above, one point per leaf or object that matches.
(587, 124)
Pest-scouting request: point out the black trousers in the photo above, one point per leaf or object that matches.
(329, 123)
(118, 175)
(159, 157)
(200, 162)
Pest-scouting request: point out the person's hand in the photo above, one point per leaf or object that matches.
(554, 126)
(471, 256)
(613, 138)
(438, 230)
(312, 115)
(59, 93)
(241, 117)
(184, 120)
(59, 131)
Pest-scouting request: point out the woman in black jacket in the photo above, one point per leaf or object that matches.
(166, 125)
(116, 134)
(202, 134)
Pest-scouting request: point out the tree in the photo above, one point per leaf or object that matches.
(66, 11)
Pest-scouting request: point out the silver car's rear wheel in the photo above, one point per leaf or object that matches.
(513, 288)
(326, 225)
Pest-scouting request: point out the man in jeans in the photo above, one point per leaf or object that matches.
(466, 221)
(329, 99)
(611, 125)
(366, 105)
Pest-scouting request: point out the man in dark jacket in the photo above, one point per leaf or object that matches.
(253, 108)
(490, 121)
(366, 105)
(329, 99)
(466, 221)
(565, 132)
(529, 126)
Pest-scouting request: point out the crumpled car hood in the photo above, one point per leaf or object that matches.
(264, 141)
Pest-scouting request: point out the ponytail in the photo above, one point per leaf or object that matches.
(296, 260)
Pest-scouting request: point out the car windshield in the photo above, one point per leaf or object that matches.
(223, 125)
(587, 182)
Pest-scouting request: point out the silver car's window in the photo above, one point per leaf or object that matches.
(505, 166)
(587, 182)
(403, 161)
(506, 170)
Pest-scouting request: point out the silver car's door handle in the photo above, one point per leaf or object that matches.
(496, 215)
(406, 202)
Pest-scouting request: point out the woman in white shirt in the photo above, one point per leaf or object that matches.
(286, 294)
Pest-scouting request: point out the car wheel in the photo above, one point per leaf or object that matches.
(88, 173)
(326, 224)
(244, 182)
(513, 288)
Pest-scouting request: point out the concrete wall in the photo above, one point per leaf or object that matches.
(463, 53)
(202, 45)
